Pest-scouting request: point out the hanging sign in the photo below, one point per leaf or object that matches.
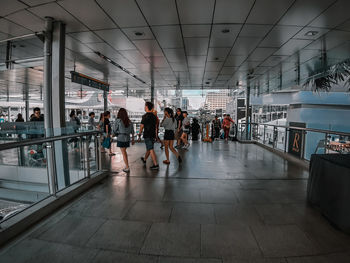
(88, 81)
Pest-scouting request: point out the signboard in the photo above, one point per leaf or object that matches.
(295, 146)
(88, 81)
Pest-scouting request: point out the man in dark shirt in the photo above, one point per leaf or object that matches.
(179, 118)
(149, 127)
(37, 130)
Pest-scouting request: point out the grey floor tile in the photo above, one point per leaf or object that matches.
(150, 212)
(240, 214)
(108, 209)
(228, 241)
(284, 241)
(182, 194)
(173, 240)
(193, 213)
(331, 258)
(252, 196)
(40, 251)
(74, 230)
(118, 235)
(188, 260)
(255, 260)
(113, 257)
(216, 195)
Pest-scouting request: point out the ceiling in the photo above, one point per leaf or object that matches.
(214, 43)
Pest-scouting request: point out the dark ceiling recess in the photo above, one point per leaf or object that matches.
(311, 33)
(139, 34)
(225, 31)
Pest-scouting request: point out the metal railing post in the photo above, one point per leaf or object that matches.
(325, 143)
(87, 157)
(98, 152)
(285, 140)
(264, 134)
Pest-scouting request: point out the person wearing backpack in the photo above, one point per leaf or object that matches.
(169, 124)
(122, 129)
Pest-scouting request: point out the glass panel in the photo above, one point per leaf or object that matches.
(23, 178)
(280, 138)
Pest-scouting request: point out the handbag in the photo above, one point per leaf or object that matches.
(106, 143)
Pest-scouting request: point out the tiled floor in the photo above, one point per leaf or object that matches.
(228, 202)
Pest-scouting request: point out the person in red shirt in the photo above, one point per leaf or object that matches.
(226, 124)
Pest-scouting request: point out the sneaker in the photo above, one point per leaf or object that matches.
(166, 162)
(187, 146)
(143, 160)
(126, 170)
(155, 167)
(179, 159)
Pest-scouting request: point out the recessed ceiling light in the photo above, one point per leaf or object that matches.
(216, 58)
(139, 34)
(311, 33)
(207, 82)
(225, 31)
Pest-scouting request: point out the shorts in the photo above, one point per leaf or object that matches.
(169, 135)
(123, 144)
(149, 143)
(178, 134)
(187, 131)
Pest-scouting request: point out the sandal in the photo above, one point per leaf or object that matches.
(166, 162)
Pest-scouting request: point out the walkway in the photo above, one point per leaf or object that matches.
(228, 202)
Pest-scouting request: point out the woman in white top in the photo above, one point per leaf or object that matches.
(169, 124)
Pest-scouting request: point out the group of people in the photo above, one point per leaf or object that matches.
(223, 125)
(176, 127)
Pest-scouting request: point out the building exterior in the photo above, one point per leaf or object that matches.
(217, 100)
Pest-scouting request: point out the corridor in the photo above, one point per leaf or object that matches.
(227, 202)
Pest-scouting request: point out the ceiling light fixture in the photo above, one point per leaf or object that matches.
(139, 34)
(225, 31)
(311, 33)
(119, 66)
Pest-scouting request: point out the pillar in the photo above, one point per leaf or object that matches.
(247, 110)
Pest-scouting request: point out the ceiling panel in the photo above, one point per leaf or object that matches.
(11, 28)
(159, 12)
(196, 30)
(179, 66)
(104, 49)
(333, 16)
(175, 54)
(261, 8)
(261, 53)
(279, 35)
(318, 33)
(228, 11)
(221, 39)
(137, 33)
(10, 6)
(134, 56)
(168, 36)
(234, 61)
(245, 45)
(292, 46)
(148, 48)
(75, 45)
(304, 11)
(97, 21)
(36, 2)
(57, 12)
(86, 37)
(217, 54)
(30, 21)
(196, 46)
(254, 31)
(228, 70)
(272, 61)
(196, 61)
(158, 62)
(213, 65)
(116, 38)
(195, 11)
(124, 13)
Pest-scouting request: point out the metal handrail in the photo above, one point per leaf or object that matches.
(302, 129)
(11, 145)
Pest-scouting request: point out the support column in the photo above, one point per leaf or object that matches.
(247, 110)
(26, 95)
(105, 102)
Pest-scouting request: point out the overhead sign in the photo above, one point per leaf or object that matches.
(88, 81)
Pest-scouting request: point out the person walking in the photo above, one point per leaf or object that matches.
(216, 126)
(149, 127)
(123, 128)
(108, 133)
(19, 118)
(179, 117)
(186, 124)
(226, 125)
(169, 124)
(195, 128)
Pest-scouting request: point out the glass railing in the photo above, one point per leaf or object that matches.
(34, 169)
(300, 142)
